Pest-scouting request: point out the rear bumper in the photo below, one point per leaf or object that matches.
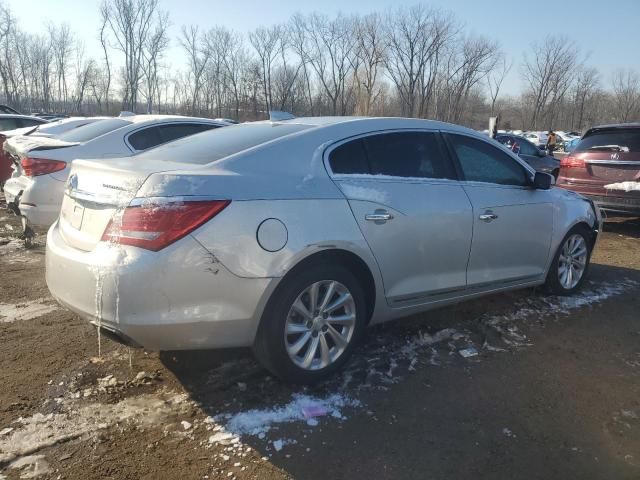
(178, 299)
(39, 199)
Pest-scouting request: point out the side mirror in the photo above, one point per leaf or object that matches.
(542, 181)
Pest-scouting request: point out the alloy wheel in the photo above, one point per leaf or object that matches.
(572, 261)
(320, 325)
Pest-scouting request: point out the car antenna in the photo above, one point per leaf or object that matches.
(277, 116)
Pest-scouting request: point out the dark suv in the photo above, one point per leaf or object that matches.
(605, 166)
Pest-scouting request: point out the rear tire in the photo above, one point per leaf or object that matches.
(570, 265)
(320, 336)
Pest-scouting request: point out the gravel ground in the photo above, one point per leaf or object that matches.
(554, 391)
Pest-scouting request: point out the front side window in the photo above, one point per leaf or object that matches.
(407, 154)
(526, 148)
(481, 162)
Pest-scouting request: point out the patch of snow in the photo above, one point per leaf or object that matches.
(41, 431)
(32, 466)
(624, 186)
(25, 311)
(185, 425)
(360, 192)
(259, 421)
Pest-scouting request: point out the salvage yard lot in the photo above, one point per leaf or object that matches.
(553, 393)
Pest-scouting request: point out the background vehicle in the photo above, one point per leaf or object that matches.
(292, 236)
(605, 166)
(572, 144)
(11, 122)
(537, 138)
(42, 163)
(47, 129)
(531, 154)
(9, 110)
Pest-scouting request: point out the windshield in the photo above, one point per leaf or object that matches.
(92, 130)
(216, 144)
(620, 140)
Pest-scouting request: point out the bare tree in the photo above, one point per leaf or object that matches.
(586, 85)
(131, 22)
(626, 90)
(267, 42)
(198, 57)
(415, 37)
(549, 74)
(495, 80)
(370, 51)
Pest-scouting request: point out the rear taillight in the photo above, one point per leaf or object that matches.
(571, 162)
(33, 167)
(155, 226)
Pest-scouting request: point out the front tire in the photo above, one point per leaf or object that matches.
(571, 262)
(311, 323)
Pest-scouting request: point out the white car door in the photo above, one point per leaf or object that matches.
(512, 222)
(414, 215)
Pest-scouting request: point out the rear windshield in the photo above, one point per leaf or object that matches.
(619, 140)
(216, 144)
(93, 130)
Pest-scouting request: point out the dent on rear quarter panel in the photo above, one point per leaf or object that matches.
(312, 225)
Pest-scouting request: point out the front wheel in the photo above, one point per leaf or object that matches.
(571, 262)
(311, 323)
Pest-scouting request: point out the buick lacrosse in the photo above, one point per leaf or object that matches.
(292, 236)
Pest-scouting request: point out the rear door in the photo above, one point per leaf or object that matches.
(512, 222)
(411, 210)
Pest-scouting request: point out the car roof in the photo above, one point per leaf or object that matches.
(374, 122)
(613, 126)
(160, 118)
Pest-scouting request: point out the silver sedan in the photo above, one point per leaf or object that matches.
(292, 236)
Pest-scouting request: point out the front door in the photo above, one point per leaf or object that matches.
(512, 222)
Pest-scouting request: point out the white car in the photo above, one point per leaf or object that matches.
(51, 129)
(292, 236)
(538, 138)
(43, 163)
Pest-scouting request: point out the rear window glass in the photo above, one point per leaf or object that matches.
(222, 142)
(93, 130)
(612, 140)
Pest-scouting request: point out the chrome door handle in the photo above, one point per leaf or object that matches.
(379, 216)
(488, 217)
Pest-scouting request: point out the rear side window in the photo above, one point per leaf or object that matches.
(175, 131)
(622, 140)
(349, 158)
(30, 122)
(222, 142)
(8, 124)
(93, 130)
(407, 154)
(481, 162)
(145, 138)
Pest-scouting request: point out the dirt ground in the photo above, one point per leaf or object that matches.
(554, 392)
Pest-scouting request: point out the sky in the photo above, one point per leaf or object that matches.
(607, 32)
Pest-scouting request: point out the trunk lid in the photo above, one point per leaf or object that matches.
(96, 191)
(21, 146)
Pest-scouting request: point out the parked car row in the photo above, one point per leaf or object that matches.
(42, 160)
(291, 236)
